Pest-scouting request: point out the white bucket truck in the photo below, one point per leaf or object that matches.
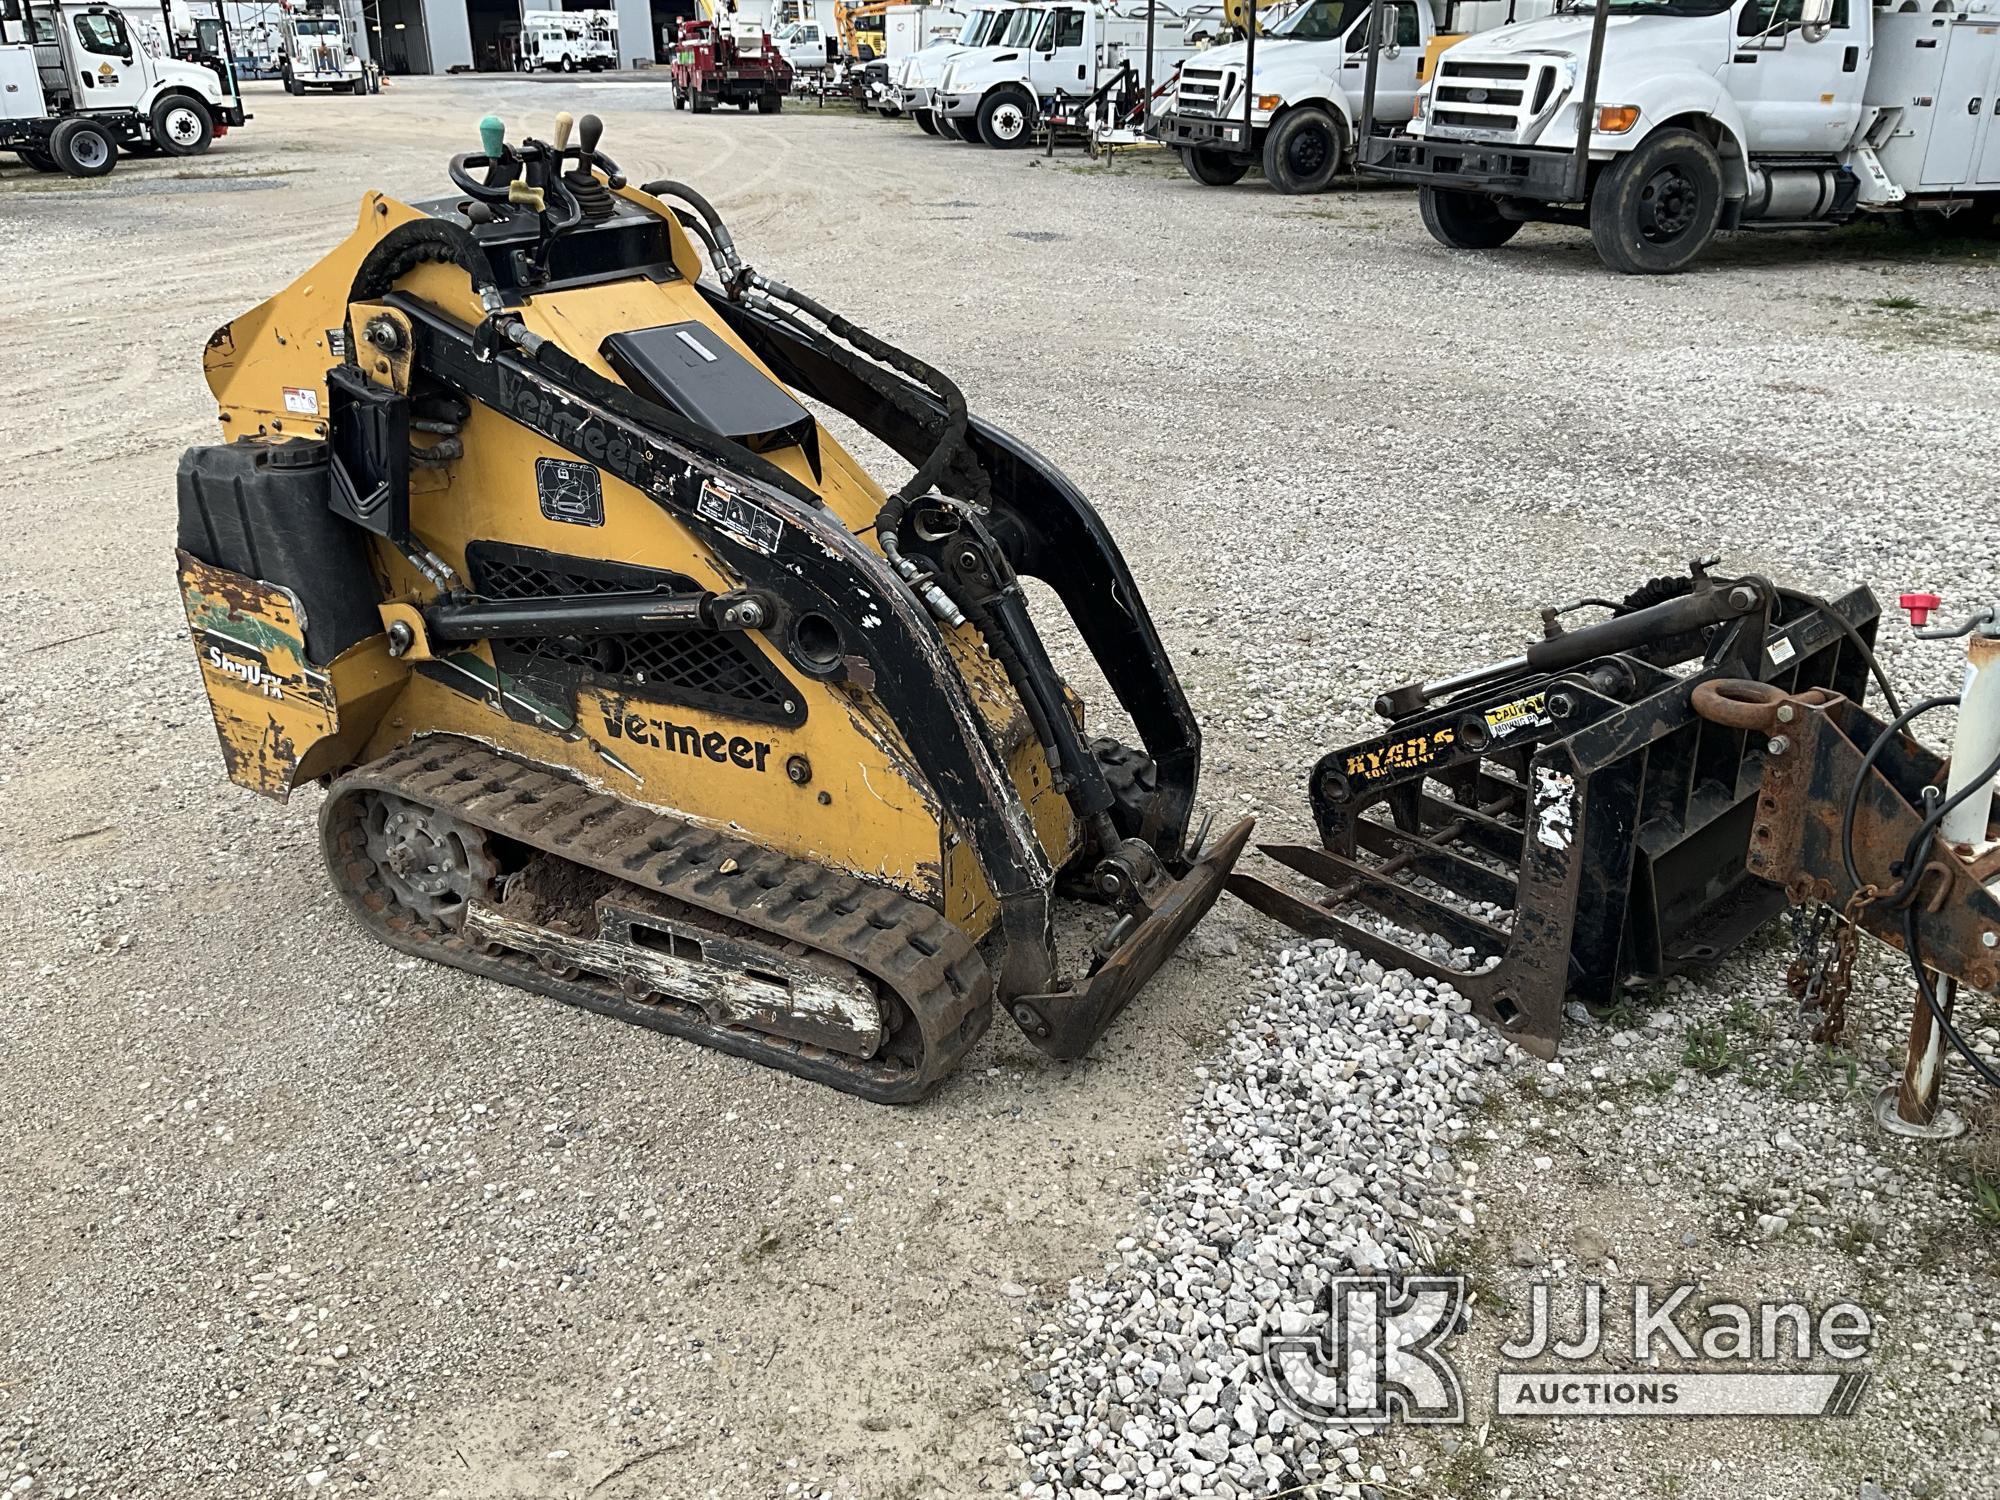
(995, 95)
(1657, 123)
(315, 51)
(562, 41)
(76, 86)
(914, 81)
(1299, 116)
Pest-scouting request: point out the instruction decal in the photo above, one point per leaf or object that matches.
(301, 402)
(570, 491)
(741, 517)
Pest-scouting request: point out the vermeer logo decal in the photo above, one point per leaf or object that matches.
(639, 728)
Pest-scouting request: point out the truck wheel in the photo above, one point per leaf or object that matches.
(83, 148)
(674, 93)
(181, 126)
(702, 104)
(947, 127)
(1654, 210)
(41, 161)
(1006, 119)
(926, 121)
(294, 87)
(770, 103)
(1465, 221)
(568, 64)
(1212, 168)
(1302, 151)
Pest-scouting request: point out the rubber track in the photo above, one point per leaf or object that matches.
(919, 960)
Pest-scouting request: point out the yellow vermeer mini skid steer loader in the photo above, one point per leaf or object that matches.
(628, 685)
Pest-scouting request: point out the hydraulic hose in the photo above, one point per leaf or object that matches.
(421, 241)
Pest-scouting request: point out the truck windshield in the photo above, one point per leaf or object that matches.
(327, 27)
(1020, 27)
(976, 27)
(1320, 21)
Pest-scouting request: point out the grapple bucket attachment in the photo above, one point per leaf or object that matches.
(1565, 824)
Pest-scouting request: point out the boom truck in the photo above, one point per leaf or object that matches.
(315, 51)
(1299, 115)
(1657, 124)
(997, 95)
(723, 57)
(76, 86)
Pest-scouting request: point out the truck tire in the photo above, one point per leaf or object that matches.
(947, 127)
(926, 121)
(41, 161)
(83, 148)
(674, 93)
(1655, 209)
(1213, 168)
(181, 125)
(1464, 221)
(770, 102)
(294, 87)
(1006, 119)
(568, 64)
(1302, 151)
(702, 104)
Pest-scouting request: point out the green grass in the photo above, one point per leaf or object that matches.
(1707, 1051)
(1897, 304)
(1986, 1198)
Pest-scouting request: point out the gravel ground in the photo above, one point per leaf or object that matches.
(290, 1213)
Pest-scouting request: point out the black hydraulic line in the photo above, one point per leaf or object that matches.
(416, 243)
(1913, 943)
(1882, 742)
(1800, 596)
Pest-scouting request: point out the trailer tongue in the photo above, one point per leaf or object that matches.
(1564, 824)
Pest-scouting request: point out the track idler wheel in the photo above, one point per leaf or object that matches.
(431, 863)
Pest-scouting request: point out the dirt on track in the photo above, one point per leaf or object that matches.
(287, 1211)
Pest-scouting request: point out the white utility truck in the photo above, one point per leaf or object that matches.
(1299, 116)
(315, 51)
(910, 31)
(76, 86)
(807, 45)
(1011, 35)
(562, 41)
(1656, 123)
(914, 80)
(995, 95)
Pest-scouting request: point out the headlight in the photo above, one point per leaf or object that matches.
(1616, 119)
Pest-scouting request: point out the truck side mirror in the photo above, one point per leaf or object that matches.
(1815, 16)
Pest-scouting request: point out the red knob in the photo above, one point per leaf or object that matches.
(1920, 607)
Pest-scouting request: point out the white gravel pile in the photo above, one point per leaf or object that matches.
(1322, 1146)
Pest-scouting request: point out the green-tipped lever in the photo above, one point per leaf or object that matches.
(492, 137)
